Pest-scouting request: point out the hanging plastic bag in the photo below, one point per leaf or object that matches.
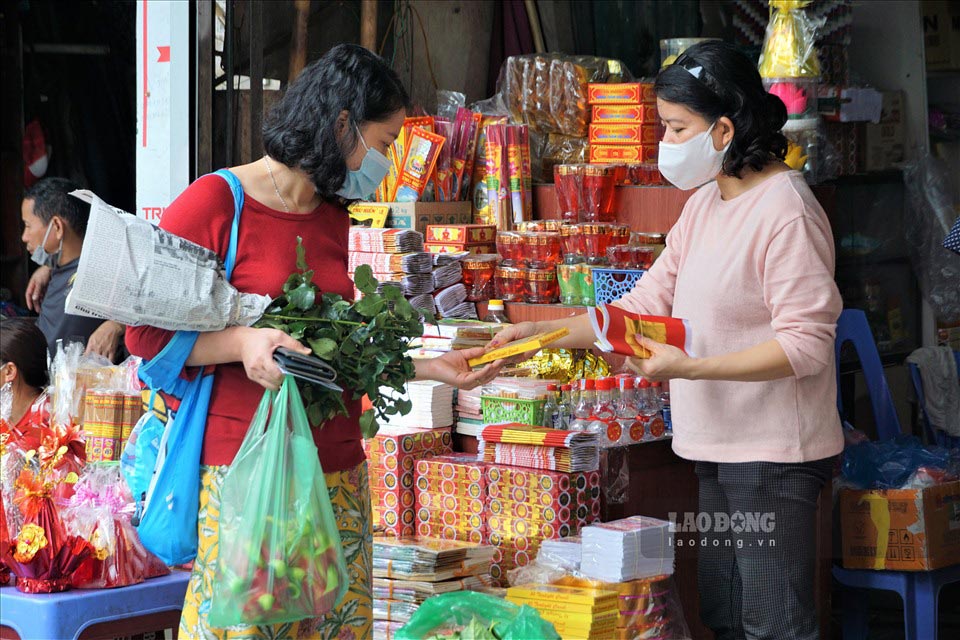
(444, 615)
(789, 45)
(281, 558)
(139, 457)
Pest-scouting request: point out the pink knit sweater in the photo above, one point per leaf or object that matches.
(744, 271)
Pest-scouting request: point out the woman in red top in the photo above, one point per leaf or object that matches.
(23, 365)
(325, 144)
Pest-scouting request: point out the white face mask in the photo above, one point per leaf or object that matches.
(692, 163)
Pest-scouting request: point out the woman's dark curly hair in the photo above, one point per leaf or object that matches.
(714, 79)
(300, 131)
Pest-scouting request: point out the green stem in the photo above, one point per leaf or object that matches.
(275, 316)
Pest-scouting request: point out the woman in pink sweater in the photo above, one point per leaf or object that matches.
(750, 264)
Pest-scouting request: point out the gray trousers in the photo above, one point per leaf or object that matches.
(756, 570)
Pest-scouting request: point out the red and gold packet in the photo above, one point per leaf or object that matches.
(631, 133)
(624, 114)
(515, 173)
(423, 149)
(477, 191)
(618, 153)
(497, 177)
(621, 93)
(442, 177)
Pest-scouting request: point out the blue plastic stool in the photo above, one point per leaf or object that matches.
(920, 591)
(935, 435)
(853, 327)
(65, 615)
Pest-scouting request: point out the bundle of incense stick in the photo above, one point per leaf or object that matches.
(449, 298)
(418, 262)
(447, 275)
(385, 240)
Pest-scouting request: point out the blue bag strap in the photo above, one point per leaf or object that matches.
(237, 190)
(163, 370)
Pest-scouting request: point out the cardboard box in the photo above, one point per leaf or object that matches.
(624, 114)
(642, 134)
(901, 529)
(622, 93)
(941, 34)
(419, 215)
(613, 154)
(439, 247)
(884, 142)
(461, 233)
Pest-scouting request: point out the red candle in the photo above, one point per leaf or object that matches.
(477, 274)
(510, 284)
(542, 286)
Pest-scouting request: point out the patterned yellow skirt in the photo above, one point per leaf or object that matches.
(352, 620)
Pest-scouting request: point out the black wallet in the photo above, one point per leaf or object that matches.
(307, 368)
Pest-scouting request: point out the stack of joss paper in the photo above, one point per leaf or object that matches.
(575, 612)
(408, 570)
(540, 447)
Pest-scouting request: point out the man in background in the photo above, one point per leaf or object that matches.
(54, 224)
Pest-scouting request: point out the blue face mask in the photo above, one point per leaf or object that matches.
(360, 184)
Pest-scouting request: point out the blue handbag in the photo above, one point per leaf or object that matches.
(168, 523)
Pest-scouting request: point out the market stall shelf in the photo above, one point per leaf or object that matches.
(140, 608)
(650, 209)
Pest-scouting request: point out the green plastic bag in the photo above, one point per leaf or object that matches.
(463, 613)
(280, 559)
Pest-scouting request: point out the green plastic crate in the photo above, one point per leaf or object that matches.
(497, 410)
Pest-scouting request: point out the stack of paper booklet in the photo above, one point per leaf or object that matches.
(467, 411)
(563, 553)
(432, 405)
(575, 612)
(408, 570)
(628, 549)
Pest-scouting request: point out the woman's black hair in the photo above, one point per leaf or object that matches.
(23, 344)
(714, 79)
(301, 130)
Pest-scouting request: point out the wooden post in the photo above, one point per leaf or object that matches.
(298, 47)
(368, 24)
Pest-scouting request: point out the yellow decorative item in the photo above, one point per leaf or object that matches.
(30, 540)
(788, 47)
(795, 159)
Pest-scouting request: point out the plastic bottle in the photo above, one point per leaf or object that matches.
(566, 407)
(584, 409)
(604, 419)
(645, 408)
(551, 409)
(665, 408)
(631, 429)
(496, 313)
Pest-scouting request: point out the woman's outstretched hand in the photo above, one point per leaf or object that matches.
(452, 368)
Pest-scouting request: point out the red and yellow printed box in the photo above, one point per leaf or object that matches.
(624, 114)
(431, 529)
(615, 93)
(392, 456)
(461, 233)
(451, 497)
(612, 154)
(438, 247)
(642, 134)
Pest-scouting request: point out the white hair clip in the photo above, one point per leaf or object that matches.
(695, 71)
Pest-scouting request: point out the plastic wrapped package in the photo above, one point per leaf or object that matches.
(448, 102)
(549, 91)
(648, 608)
(810, 151)
(789, 49)
(898, 463)
(931, 211)
(100, 511)
(486, 617)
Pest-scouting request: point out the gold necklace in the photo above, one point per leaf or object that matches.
(275, 187)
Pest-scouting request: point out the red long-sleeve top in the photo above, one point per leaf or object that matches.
(266, 256)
